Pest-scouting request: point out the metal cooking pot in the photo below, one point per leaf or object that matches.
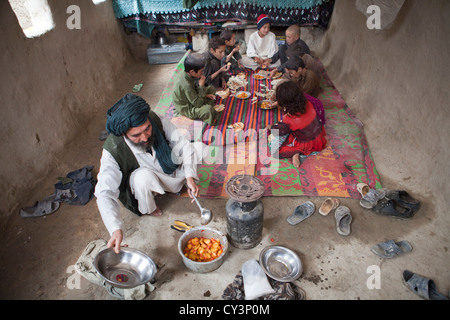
(206, 232)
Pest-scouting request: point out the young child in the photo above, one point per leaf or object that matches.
(232, 54)
(261, 45)
(294, 42)
(306, 134)
(214, 73)
(306, 79)
(192, 100)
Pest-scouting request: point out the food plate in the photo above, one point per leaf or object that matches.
(259, 76)
(243, 95)
(264, 103)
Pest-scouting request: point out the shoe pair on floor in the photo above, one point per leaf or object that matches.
(342, 214)
(393, 203)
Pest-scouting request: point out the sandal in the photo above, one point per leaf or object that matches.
(371, 198)
(390, 249)
(362, 188)
(422, 286)
(391, 208)
(343, 220)
(328, 205)
(40, 208)
(302, 212)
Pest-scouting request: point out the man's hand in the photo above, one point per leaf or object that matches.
(192, 186)
(116, 240)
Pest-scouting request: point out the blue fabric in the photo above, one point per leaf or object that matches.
(129, 112)
(126, 8)
(80, 190)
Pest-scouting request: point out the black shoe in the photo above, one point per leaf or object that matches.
(403, 198)
(392, 208)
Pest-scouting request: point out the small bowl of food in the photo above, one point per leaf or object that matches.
(266, 104)
(259, 76)
(280, 263)
(243, 95)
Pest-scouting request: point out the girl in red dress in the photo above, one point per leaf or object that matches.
(306, 133)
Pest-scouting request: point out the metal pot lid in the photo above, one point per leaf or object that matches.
(245, 188)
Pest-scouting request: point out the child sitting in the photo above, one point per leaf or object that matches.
(232, 54)
(306, 134)
(294, 43)
(261, 45)
(192, 100)
(306, 79)
(214, 72)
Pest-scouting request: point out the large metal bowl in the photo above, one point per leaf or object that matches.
(206, 232)
(127, 269)
(280, 263)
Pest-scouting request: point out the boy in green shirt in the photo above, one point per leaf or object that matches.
(192, 100)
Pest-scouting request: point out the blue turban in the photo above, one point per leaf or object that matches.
(129, 112)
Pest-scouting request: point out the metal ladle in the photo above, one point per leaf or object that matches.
(205, 214)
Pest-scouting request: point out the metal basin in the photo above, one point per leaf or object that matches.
(206, 232)
(280, 263)
(127, 269)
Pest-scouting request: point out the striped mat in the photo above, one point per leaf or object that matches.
(334, 172)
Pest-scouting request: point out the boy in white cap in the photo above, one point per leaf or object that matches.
(261, 46)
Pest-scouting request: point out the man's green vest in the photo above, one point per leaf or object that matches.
(123, 155)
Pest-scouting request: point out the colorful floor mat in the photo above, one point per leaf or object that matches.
(334, 172)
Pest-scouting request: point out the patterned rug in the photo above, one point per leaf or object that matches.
(334, 172)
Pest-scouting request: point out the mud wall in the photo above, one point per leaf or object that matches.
(49, 87)
(396, 81)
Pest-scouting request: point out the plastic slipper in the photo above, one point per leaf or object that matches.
(328, 205)
(343, 220)
(390, 249)
(40, 208)
(362, 188)
(423, 287)
(302, 212)
(371, 198)
(402, 197)
(391, 208)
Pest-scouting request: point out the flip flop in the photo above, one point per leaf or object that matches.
(328, 205)
(390, 249)
(391, 208)
(371, 198)
(403, 198)
(362, 188)
(423, 287)
(40, 208)
(302, 212)
(343, 220)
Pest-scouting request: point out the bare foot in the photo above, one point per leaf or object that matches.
(296, 160)
(157, 212)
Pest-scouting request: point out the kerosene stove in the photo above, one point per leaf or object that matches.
(244, 211)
